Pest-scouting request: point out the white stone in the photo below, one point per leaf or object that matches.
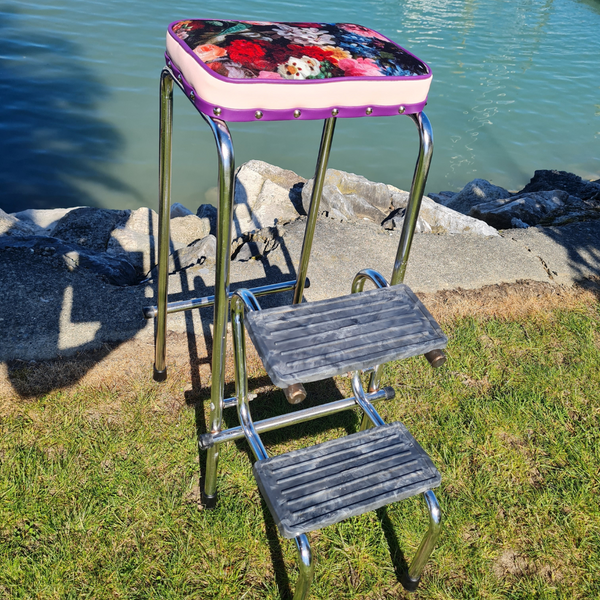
(44, 218)
(11, 225)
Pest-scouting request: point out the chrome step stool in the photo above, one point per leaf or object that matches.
(247, 71)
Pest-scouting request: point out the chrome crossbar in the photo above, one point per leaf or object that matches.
(150, 312)
(308, 414)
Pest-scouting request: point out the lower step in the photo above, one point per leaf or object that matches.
(314, 487)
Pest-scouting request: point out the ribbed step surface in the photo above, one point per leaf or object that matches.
(314, 487)
(313, 341)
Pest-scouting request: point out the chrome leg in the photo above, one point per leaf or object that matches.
(165, 137)
(223, 259)
(416, 194)
(320, 172)
(305, 567)
(412, 578)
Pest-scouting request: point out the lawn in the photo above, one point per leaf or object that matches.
(99, 483)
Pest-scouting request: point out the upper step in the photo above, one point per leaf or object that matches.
(309, 342)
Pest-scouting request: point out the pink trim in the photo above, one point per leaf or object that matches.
(306, 114)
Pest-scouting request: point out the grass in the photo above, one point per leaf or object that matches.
(99, 482)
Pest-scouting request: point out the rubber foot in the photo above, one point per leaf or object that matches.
(160, 375)
(209, 501)
(410, 585)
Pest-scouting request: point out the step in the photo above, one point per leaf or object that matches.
(314, 487)
(313, 341)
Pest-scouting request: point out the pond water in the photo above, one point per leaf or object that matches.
(516, 88)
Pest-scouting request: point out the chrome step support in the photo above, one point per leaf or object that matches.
(415, 197)
(241, 300)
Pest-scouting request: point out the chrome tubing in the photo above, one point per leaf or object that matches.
(416, 195)
(411, 581)
(362, 400)
(223, 260)
(315, 201)
(358, 285)
(173, 307)
(305, 567)
(285, 420)
(164, 201)
(241, 377)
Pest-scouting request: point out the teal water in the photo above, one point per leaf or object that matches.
(516, 88)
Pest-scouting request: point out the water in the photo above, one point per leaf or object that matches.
(516, 88)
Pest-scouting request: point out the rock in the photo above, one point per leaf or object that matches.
(548, 181)
(476, 192)
(259, 201)
(198, 252)
(395, 220)
(537, 208)
(44, 218)
(349, 196)
(208, 211)
(250, 250)
(113, 269)
(179, 210)
(435, 218)
(89, 227)
(140, 249)
(11, 225)
(142, 220)
(188, 229)
(442, 198)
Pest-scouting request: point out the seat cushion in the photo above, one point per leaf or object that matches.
(248, 70)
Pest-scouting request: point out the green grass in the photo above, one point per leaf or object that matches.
(99, 486)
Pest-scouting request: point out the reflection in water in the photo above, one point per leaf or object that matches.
(50, 134)
(515, 89)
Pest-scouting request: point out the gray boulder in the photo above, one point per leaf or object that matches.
(537, 208)
(44, 218)
(11, 225)
(476, 192)
(89, 227)
(208, 211)
(187, 229)
(179, 210)
(263, 197)
(548, 181)
(115, 270)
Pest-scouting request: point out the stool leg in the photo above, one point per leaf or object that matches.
(305, 566)
(313, 212)
(165, 135)
(416, 195)
(223, 260)
(412, 578)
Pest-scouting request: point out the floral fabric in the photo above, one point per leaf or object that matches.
(295, 51)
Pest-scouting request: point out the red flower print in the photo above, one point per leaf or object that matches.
(312, 52)
(250, 54)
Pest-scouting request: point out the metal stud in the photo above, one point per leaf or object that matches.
(369, 110)
(258, 114)
(179, 78)
(335, 112)
(297, 113)
(216, 111)
(192, 96)
(401, 110)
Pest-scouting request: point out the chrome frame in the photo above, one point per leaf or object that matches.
(242, 300)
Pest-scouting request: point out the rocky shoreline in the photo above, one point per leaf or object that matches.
(72, 280)
(120, 246)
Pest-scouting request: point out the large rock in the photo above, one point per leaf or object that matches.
(262, 197)
(113, 269)
(208, 211)
(537, 208)
(11, 225)
(548, 181)
(435, 218)
(89, 227)
(44, 218)
(476, 192)
(187, 229)
(348, 196)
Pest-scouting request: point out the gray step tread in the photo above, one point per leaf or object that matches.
(314, 487)
(316, 340)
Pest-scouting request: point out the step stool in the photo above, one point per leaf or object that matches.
(261, 71)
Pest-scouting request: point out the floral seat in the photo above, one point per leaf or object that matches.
(248, 70)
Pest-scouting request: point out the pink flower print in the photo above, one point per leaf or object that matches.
(209, 52)
(360, 30)
(269, 75)
(359, 67)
